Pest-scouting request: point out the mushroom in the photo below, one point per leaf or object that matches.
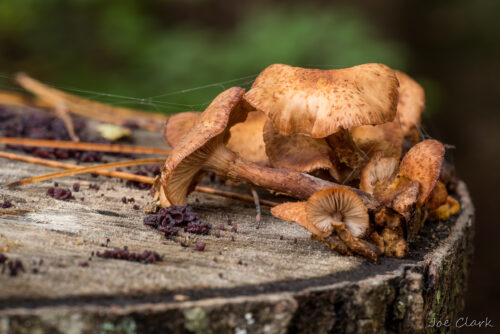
(246, 137)
(377, 173)
(384, 138)
(202, 148)
(298, 152)
(422, 163)
(326, 103)
(319, 103)
(178, 125)
(335, 210)
(411, 105)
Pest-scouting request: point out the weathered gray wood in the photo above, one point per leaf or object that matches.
(255, 284)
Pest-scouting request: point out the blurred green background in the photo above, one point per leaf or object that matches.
(177, 55)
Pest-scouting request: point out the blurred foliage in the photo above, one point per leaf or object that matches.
(130, 48)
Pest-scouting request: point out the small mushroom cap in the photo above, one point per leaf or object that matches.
(327, 208)
(296, 152)
(378, 170)
(247, 138)
(182, 168)
(411, 102)
(295, 212)
(386, 138)
(319, 102)
(178, 125)
(423, 163)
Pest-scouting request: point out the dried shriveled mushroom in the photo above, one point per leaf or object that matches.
(319, 103)
(246, 137)
(446, 210)
(389, 234)
(203, 149)
(331, 211)
(411, 105)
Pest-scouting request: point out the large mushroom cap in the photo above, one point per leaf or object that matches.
(411, 103)
(423, 163)
(183, 166)
(335, 206)
(320, 102)
(296, 152)
(178, 125)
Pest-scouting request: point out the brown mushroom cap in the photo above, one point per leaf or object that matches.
(320, 102)
(378, 170)
(411, 103)
(183, 166)
(386, 138)
(423, 163)
(247, 138)
(178, 125)
(337, 205)
(296, 152)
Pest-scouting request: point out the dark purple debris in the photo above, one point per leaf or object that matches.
(62, 194)
(37, 125)
(56, 184)
(198, 228)
(167, 220)
(234, 229)
(76, 187)
(232, 238)
(229, 221)
(3, 258)
(154, 169)
(138, 185)
(15, 267)
(83, 264)
(295, 240)
(136, 207)
(200, 246)
(94, 187)
(6, 204)
(124, 200)
(131, 200)
(281, 237)
(125, 254)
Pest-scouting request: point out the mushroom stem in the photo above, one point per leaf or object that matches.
(228, 164)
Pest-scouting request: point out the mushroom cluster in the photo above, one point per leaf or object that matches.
(344, 142)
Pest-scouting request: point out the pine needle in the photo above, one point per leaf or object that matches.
(83, 146)
(91, 109)
(82, 170)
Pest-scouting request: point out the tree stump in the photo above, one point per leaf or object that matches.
(273, 279)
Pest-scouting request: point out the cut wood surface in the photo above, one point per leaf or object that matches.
(273, 279)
